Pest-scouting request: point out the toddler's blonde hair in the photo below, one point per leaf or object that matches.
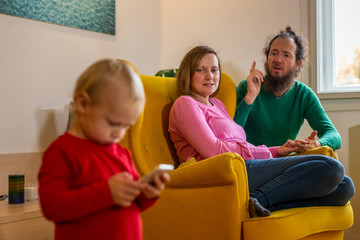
(106, 71)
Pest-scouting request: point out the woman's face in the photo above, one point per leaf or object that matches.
(205, 80)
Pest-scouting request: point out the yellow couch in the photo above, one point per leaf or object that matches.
(209, 199)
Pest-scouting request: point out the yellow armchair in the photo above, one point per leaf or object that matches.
(209, 199)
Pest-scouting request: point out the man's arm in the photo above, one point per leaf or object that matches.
(242, 108)
(319, 121)
(246, 93)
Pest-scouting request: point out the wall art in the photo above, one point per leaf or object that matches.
(92, 15)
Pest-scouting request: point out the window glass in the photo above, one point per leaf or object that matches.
(347, 43)
(338, 46)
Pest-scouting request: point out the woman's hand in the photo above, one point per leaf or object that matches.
(287, 148)
(299, 145)
(254, 81)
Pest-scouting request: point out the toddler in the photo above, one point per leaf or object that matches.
(88, 184)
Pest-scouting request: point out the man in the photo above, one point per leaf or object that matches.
(272, 107)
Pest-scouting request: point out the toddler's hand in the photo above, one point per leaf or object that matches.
(151, 191)
(124, 189)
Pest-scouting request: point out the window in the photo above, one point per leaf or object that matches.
(338, 48)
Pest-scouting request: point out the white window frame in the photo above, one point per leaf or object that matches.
(321, 43)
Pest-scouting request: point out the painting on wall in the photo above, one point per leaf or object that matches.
(92, 15)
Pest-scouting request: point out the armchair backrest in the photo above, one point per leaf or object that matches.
(148, 139)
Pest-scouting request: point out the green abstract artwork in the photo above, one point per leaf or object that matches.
(92, 15)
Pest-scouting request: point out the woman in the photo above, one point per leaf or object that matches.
(200, 127)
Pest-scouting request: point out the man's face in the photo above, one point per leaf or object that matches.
(282, 58)
(281, 66)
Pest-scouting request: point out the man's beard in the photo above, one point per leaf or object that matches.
(279, 84)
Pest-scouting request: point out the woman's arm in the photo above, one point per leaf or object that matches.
(190, 123)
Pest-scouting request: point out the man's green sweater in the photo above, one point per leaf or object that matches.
(272, 121)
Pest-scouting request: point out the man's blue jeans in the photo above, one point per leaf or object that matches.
(298, 181)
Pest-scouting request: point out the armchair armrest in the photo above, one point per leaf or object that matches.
(207, 200)
(217, 170)
(323, 150)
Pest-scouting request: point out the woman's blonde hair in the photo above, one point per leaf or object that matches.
(105, 71)
(188, 67)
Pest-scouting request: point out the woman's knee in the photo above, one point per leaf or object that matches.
(344, 192)
(348, 189)
(346, 186)
(337, 170)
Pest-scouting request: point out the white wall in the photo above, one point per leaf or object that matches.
(39, 63)
(236, 29)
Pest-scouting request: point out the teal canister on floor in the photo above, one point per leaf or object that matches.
(16, 189)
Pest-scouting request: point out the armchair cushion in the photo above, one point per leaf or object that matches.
(299, 223)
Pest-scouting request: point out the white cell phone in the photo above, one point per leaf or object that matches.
(157, 171)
